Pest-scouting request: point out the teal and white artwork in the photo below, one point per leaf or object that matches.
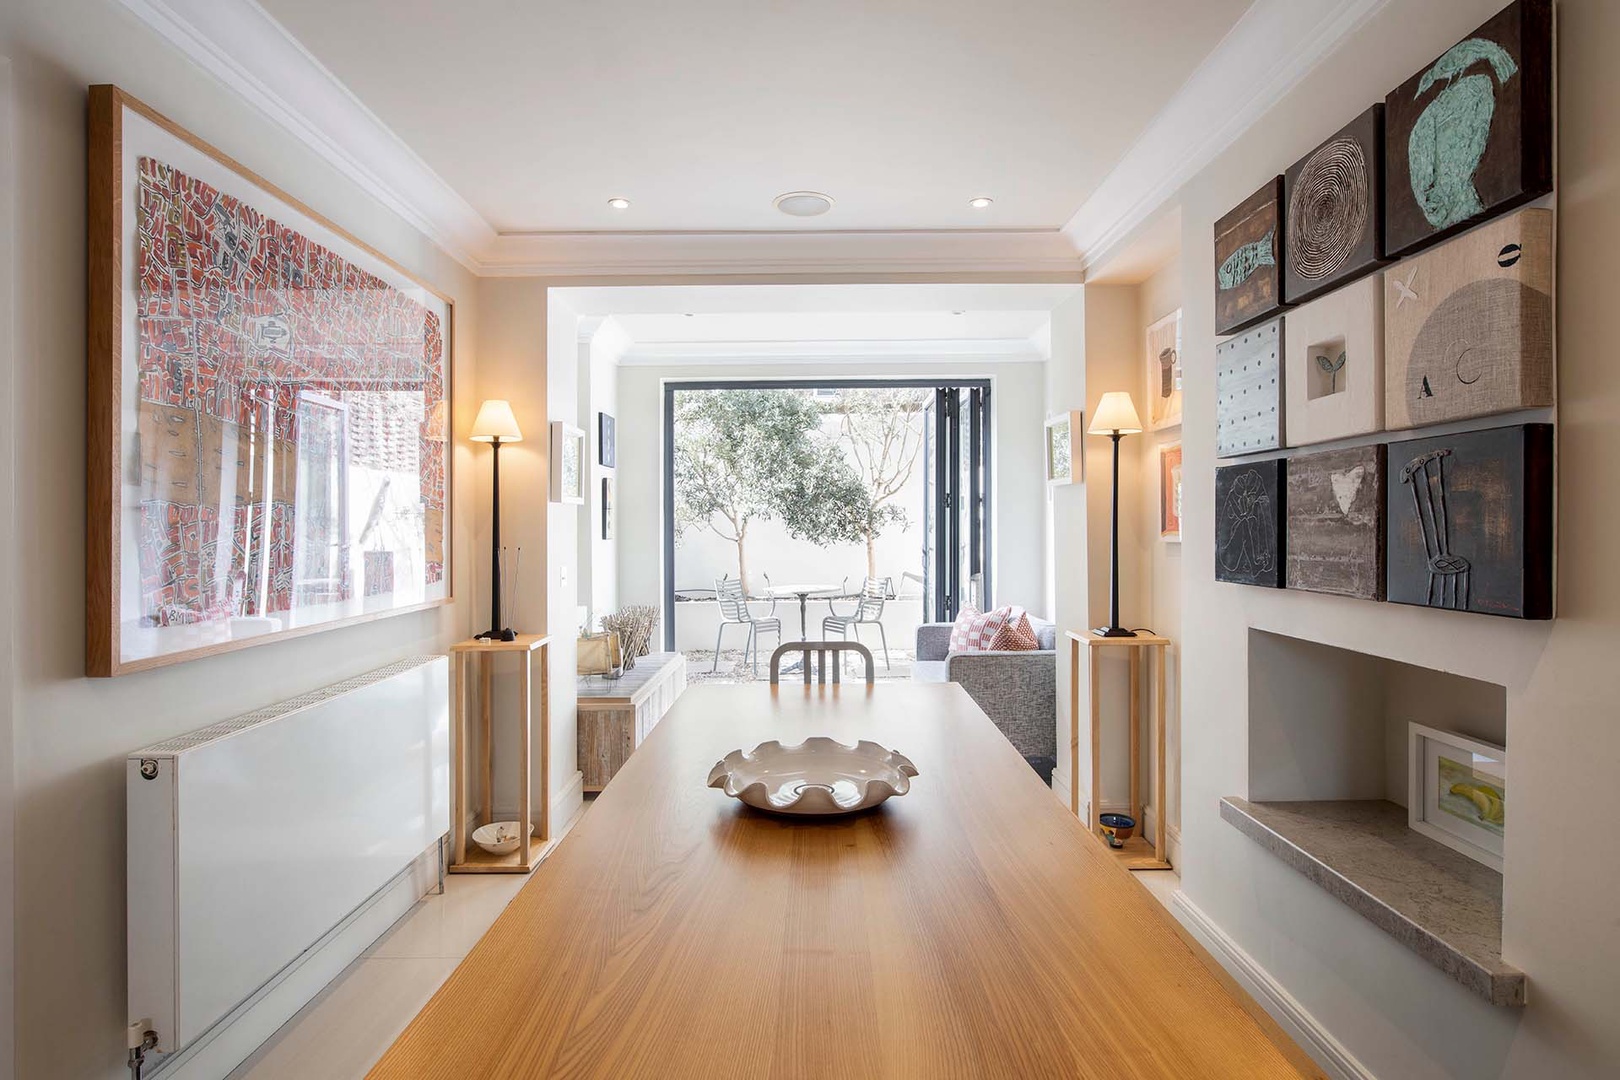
(1470, 135)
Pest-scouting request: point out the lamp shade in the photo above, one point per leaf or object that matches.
(495, 422)
(1116, 415)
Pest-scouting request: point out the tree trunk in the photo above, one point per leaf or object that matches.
(742, 562)
(871, 555)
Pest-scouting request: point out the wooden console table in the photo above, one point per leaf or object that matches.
(1137, 854)
(478, 656)
(615, 715)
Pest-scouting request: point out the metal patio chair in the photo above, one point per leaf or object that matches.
(868, 612)
(734, 611)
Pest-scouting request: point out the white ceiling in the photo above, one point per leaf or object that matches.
(702, 111)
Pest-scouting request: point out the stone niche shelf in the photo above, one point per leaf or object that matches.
(1442, 905)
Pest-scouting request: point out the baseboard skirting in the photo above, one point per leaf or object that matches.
(1299, 1024)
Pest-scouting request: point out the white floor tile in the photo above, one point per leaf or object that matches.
(343, 1032)
(449, 926)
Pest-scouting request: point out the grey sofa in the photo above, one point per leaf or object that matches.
(1017, 689)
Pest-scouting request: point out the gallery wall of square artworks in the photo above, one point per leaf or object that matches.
(1400, 276)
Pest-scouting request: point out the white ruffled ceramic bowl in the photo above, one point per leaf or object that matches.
(499, 837)
(818, 776)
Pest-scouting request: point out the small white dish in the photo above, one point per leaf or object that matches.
(818, 776)
(499, 837)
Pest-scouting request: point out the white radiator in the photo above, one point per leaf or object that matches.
(251, 839)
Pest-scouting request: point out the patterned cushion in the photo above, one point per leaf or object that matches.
(1015, 635)
(975, 630)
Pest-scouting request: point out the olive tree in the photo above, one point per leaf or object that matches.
(883, 432)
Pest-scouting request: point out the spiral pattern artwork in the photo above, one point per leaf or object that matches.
(1328, 209)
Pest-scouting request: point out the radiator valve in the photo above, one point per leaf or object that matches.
(140, 1038)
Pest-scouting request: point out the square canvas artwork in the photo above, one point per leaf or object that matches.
(1335, 532)
(1333, 377)
(1457, 792)
(1249, 259)
(1334, 200)
(1250, 504)
(1471, 135)
(1164, 372)
(1248, 391)
(607, 440)
(1468, 326)
(1170, 492)
(1470, 524)
(267, 400)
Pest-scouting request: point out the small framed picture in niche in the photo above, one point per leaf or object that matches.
(1457, 792)
(1163, 365)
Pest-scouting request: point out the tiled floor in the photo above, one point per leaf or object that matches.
(342, 1033)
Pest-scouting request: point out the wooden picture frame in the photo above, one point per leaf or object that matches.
(1170, 492)
(216, 301)
(1162, 365)
(1063, 448)
(570, 462)
(1457, 792)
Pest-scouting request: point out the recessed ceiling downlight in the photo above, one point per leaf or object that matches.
(619, 203)
(804, 203)
(979, 202)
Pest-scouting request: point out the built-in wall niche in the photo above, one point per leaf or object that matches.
(1328, 778)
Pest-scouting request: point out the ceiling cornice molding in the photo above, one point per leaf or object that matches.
(725, 353)
(1272, 46)
(242, 46)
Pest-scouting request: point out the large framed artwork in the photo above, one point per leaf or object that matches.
(1250, 507)
(266, 409)
(1164, 372)
(1249, 260)
(1457, 792)
(1333, 375)
(1468, 326)
(1471, 135)
(1249, 391)
(1335, 201)
(1335, 531)
(1470, 521)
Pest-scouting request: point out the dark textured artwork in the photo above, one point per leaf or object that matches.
(1334, 196)
(1248, 260)
(1335, 532)
(1471, 521)
(1250, 505)
(607, 441)
(1471, 134)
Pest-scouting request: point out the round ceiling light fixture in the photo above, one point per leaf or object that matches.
(803, 203)
(979, 202)
(619, 203)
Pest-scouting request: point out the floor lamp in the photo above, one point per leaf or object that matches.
(1116, 418)
(496, 424)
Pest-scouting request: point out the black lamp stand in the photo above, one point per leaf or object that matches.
(1113, 629)
(497, 632)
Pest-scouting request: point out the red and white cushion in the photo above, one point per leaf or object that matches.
(1015, 635)
(975, 630)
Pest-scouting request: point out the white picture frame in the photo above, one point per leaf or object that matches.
(1063, 448)
(1471, 822)
(569, 463)
(1162, 367)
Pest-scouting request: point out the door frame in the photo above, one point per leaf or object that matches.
(978, 386)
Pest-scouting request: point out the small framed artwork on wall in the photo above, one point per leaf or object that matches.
(1164, 372)
(568, 457)
(607, 441)
(1335, 201)
(1063, 462)
(1249, 260)
(607, 507)
(1250, 507)
(1170, 492)
(1457, 792)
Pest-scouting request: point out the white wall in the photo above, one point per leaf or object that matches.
(599, 393)
(1018, 396)
(71, 732)
(1398, 1015)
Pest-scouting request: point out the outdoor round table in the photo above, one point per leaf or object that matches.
(804, 593)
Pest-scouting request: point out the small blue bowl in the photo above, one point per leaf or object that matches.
(1118, 828)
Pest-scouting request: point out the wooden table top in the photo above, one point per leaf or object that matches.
(968, 929)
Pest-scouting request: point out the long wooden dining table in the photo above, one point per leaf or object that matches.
(970, 928)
